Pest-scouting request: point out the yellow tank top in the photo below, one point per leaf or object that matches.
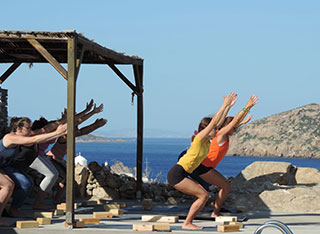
(196, 153)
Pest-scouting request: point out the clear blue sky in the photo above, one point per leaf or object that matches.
(194, 52)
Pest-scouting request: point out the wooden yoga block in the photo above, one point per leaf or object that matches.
(240, 224)
(147, 204)
(111, 206)
(41, 214)
(102, 215)
(58, 212)
(116, 211)
(90, 220)
(77, 224)
(143, 227)
(161, 227)
(89, 203)
(63, 206)
(27, 224)
(221, 219)
(159, 218)
(44, 221)
(228, 228)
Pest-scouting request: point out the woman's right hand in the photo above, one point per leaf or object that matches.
(230, 99)
(252, 101)
(62, 129)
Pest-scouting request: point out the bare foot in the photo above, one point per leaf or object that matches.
(215, 214)
(191, 226)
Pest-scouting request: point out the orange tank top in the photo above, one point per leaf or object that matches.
(216, 153)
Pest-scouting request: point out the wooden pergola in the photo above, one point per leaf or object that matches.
(72, 48)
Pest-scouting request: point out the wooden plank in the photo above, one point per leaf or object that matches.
(27, 224)
(90, 220)
(102, 215)
(9, 71)
(159, 218)
(143, 227)
(71, 107)
(44, 221)
(63, 206)
(48, 57)
(228, 228)
(240, 224)
(75, 224)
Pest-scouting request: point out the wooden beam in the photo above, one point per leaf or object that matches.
(8, 72)
(71, 103)
(123, 78)
(137, 78)
(48, 57)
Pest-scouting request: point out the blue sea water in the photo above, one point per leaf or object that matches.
(160, 154)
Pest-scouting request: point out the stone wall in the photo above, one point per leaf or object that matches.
(3, 111)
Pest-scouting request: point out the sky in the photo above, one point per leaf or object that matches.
(194, 53)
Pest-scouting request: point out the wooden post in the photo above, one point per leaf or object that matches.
(71, 102)
(138, 78)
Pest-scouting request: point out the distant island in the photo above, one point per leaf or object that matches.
(93, 138)
(293, 133)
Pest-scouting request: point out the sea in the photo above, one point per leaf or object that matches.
(160, 154)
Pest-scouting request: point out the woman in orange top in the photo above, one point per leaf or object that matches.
(218, 149)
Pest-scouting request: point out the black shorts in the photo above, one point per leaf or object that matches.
(201, 169)
(176, 174)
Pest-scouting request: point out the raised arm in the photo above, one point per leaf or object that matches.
(95, 110)
(249, 117)
(253, 100)
(11, 140)
(92, 127)
(232, 97)
(226, 110)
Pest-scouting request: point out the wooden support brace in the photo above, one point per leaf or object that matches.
(49, 57)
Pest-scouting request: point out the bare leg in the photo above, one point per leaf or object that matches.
(190, 187)
(215, 178)
(6, 190)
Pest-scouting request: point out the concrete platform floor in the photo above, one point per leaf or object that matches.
(298, 223)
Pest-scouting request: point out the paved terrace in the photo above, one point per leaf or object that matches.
(298, 223)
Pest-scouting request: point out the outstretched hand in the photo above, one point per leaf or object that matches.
(62, 129)
(253, 100)
(100, 122)
(98, 109)
(230, 100)
(89, 105)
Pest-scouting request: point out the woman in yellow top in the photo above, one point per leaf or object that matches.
(177, 175)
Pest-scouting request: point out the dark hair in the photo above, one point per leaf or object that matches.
(204, 123)
(226, 121)
(18, 122)
(38, 124)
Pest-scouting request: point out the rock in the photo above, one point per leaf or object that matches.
(81, 176)
(276, 186)
(94, 167)
(294, 133)
(307, 176)
(105, 193)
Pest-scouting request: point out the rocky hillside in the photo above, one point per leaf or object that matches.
(294, 133)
